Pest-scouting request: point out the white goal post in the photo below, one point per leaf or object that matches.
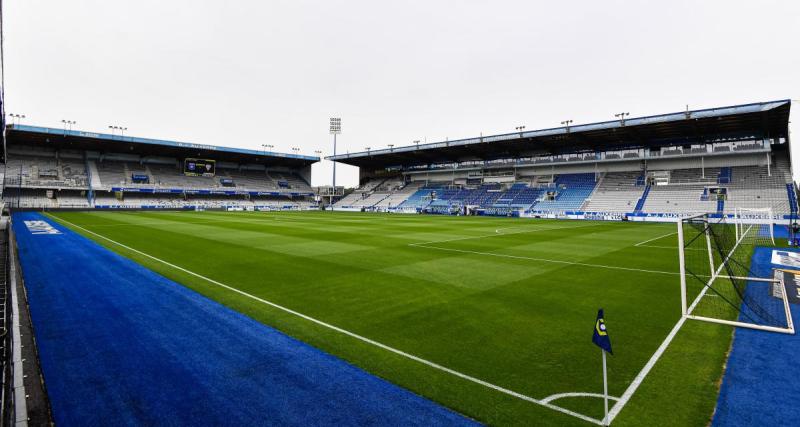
(749, 216)
(711, 260)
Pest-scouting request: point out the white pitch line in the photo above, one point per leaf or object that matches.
(626, 396)
(656, 238)
(671, 247)
(553, 397)
(169, 222)
(350, 334)
(498, 230)
(555, 261)
(501, 234)
(623, 400)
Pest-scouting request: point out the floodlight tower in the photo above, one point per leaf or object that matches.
(335, 129)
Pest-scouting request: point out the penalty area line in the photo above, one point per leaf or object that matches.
(655, 238)
(346, 332)
(498, 234)
(554, 261)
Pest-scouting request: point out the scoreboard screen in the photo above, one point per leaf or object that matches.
(199, 167)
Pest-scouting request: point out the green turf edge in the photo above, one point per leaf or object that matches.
(667, 397)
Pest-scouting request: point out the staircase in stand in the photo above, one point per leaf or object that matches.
(640, 203)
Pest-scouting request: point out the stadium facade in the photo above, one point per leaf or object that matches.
(716, 161)
(46, 168)
(713, 161)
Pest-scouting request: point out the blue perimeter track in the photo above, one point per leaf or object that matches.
(762, 378)
(119, 344)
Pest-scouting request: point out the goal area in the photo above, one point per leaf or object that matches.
(717, 282)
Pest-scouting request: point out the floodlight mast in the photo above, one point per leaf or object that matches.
(335, 129)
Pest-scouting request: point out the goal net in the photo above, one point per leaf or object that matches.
(717, 282)
(763, 219)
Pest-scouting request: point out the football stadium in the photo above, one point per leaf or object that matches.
(205, 269)
(455, 285)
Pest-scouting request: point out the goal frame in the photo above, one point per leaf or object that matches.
(687, 310)
(749, 216)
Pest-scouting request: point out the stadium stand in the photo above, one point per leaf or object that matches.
(616, 192)
(756, 187)
(662, 175)
(569, 193)
(740, 160)
(397, 196)
(56, 169)
(379, 194)
(422, 197)
(682, 193)
(675, 191)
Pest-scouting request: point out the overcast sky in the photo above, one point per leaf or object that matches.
(246, 73)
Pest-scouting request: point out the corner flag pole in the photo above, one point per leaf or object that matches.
(601, 339)
(605, 387)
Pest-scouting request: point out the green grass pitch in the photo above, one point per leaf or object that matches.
(511, 302)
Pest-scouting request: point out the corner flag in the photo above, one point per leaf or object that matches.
(600, 337)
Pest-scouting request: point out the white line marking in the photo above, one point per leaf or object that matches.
(553, 397)
(498, 230)
(346, 332)
(428, 245)
(655, 238)
(502, 234)
(669, 247)
(626, 396)
(555, 261)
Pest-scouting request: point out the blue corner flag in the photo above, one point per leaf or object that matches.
(600, 337)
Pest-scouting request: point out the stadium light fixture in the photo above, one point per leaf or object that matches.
(335, 129)
(416, 142)
(68, 123)
(367, 148)
(566, 123)
(391, 147)
(115, 128)
(18, 117)
(621, 117)
(520, 129)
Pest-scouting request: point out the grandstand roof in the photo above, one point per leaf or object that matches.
(757, 120)
(93, 141)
